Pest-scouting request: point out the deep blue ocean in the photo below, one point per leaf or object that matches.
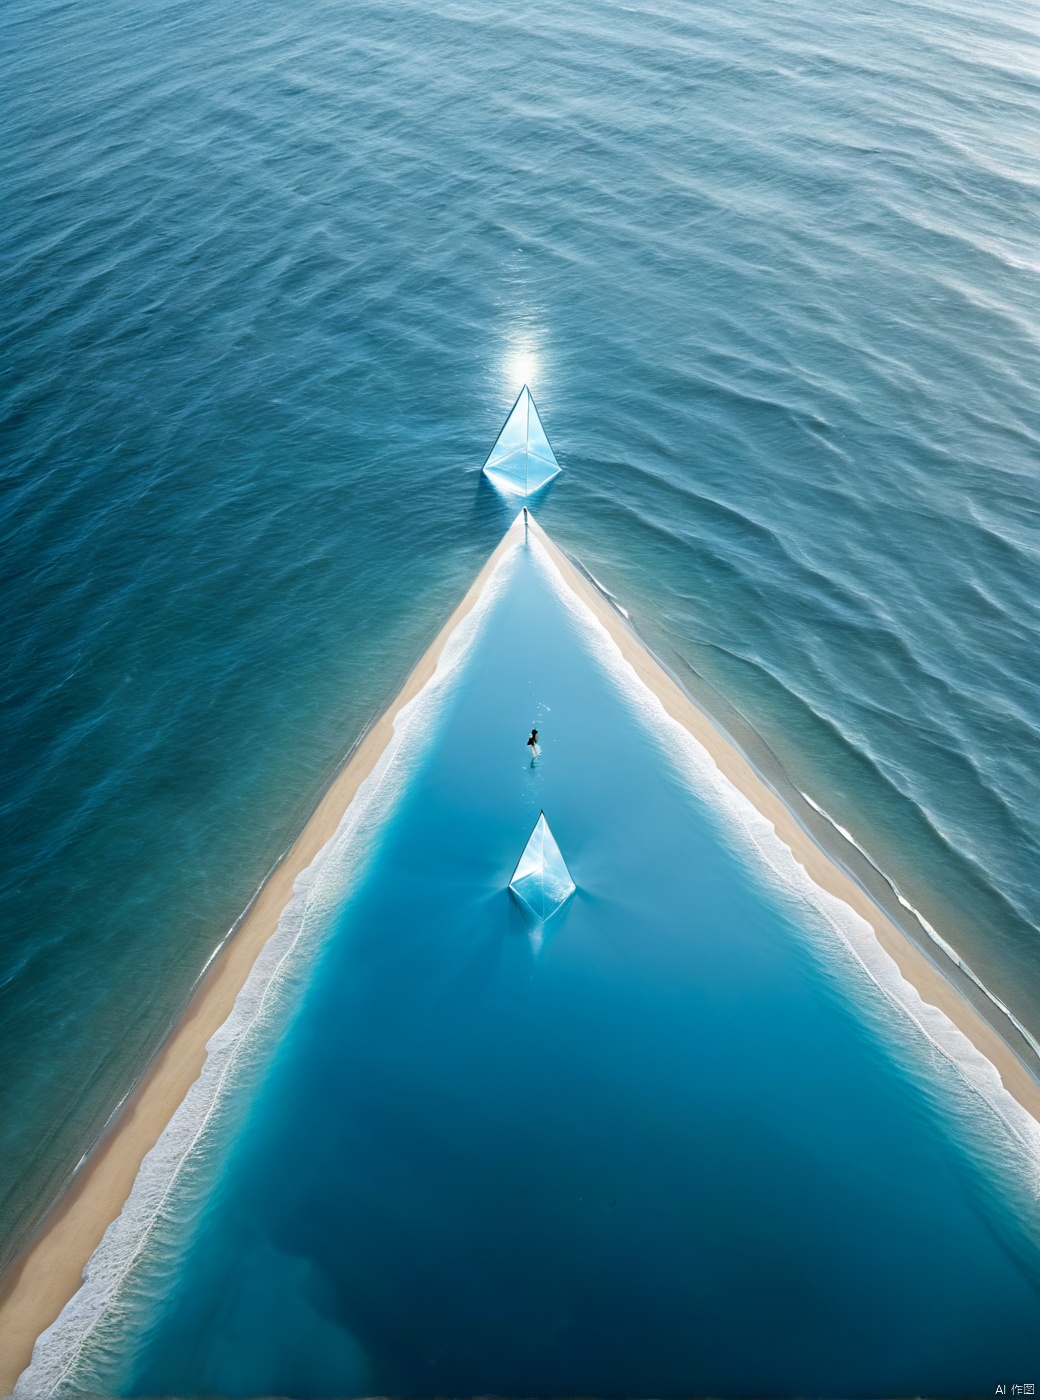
(273, 275)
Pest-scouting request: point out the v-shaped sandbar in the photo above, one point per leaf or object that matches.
(719, 948)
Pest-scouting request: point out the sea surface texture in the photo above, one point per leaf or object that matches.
(273, 276)
(672, 1140)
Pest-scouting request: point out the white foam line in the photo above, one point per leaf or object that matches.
(317, 893)
(932, 933)
(606, 592)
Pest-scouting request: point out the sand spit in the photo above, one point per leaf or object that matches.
(49, 1270)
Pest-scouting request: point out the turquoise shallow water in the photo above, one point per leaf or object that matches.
(271, 277)
(673, 1142)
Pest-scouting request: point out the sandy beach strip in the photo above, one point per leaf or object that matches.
(42, 1279)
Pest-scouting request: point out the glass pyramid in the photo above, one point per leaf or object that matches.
(541, 881)
(521, 461)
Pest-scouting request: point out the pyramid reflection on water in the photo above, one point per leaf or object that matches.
(521, 461)
(541, 881)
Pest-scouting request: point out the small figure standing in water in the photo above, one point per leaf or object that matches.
(534, 745)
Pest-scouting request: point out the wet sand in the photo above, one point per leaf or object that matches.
(48, 1272)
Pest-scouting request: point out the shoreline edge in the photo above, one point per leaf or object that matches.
(48, 1271)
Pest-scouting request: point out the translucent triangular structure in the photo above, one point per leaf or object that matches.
(521, 461)
(541, 881)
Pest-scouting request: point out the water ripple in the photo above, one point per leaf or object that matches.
(269, 273)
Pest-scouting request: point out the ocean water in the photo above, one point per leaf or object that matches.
(675, 1141)
(273, 276)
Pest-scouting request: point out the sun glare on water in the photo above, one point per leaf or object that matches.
(521, 368)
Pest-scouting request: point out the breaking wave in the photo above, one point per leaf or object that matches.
(933, 933)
